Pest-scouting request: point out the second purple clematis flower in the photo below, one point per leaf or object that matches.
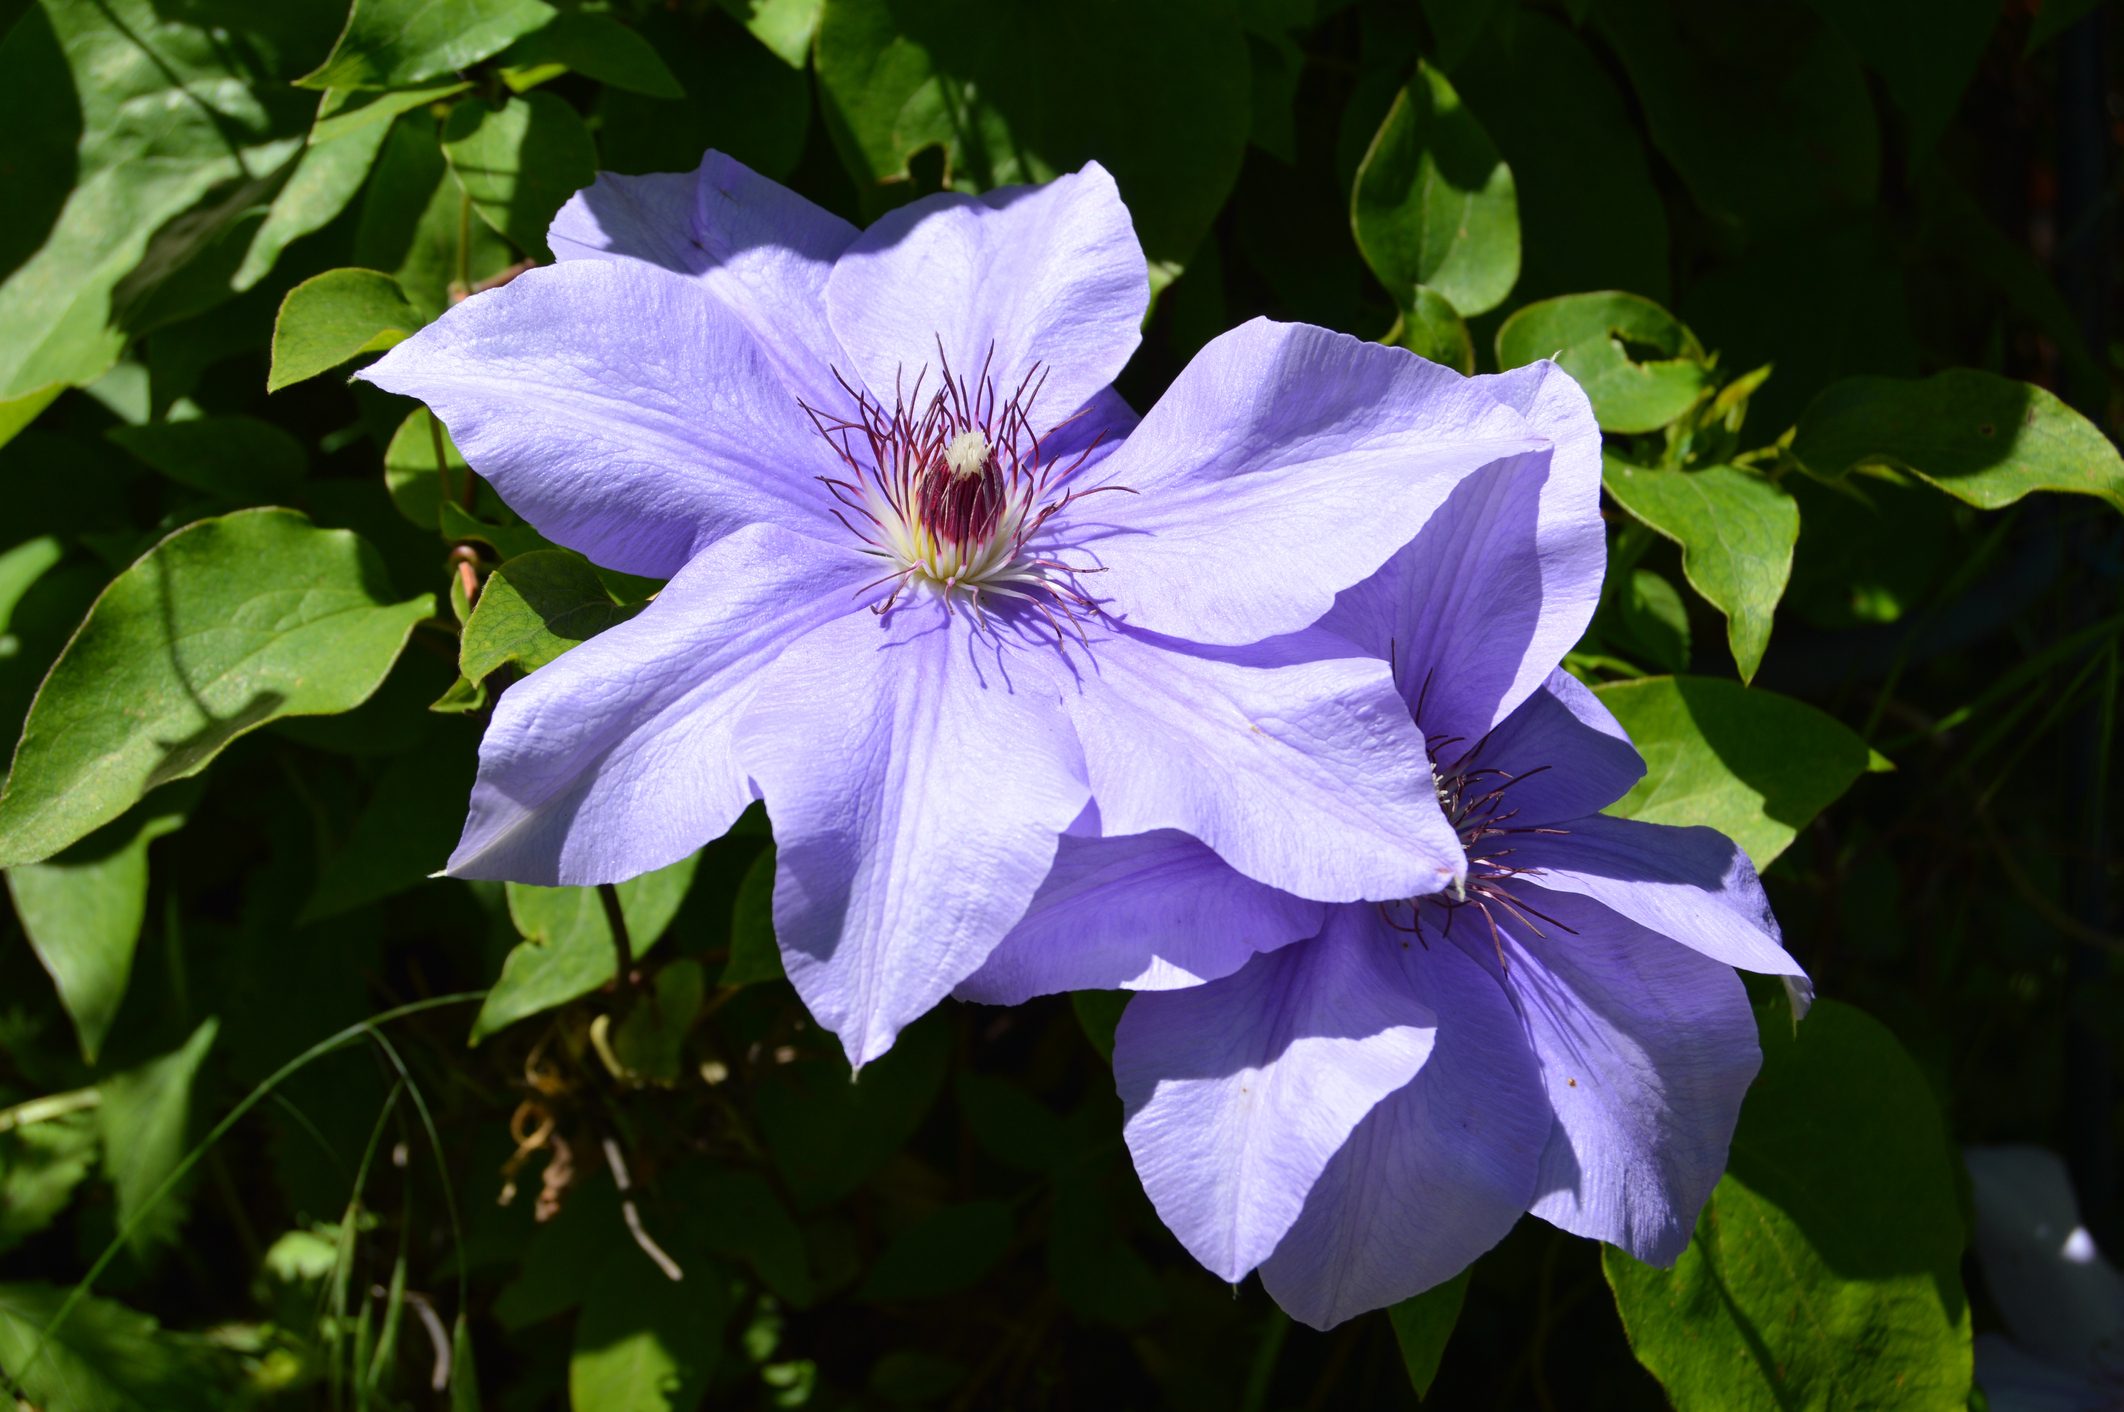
(1358, 1100)
(933, 594)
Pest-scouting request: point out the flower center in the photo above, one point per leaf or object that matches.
(952, 490)
(1477, 802)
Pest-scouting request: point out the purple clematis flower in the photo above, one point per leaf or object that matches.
(1359, 1099)
(933, 593)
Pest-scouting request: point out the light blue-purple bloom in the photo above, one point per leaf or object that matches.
(933, 593)
(1359, 1099)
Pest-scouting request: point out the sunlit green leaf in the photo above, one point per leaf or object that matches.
(595, 46)
(1825, 1272)
(147, 1117)
(227, 624)
(1981, 438)
(567, 950)
(105, 1357)
(1434, 203)
(1423, 1325)
(519, 162)
(82, 912)
(41, 1165)
(391, 43)
(1736, 530)
(1430, 328)
(1640, 366)
(336, 316)
(645, 1343)
(1752, 764)
(532, 609)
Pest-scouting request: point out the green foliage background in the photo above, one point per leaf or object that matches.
(286, 1123)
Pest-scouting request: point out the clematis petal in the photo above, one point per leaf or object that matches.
(1294, 760)
(616, 758)
(1438, 1172)
(917, 778)
(1051, 278)
(1584, 758)
(760, 249)
(621, 411)
(1285, 464)
(1691, 884)
(1646, 1049)
(1151, 911)
(1484, 602)
(1238, 1093)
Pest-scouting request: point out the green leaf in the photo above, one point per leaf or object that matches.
(644, 1343)
(1099, 1013)
(755, 956)
(1163, 94)
(391, 43)
(650, 1040)
(1434, 203)
(1430, 328)
(1423, 1324)
(532, 609)
(567, 951)
(1825, 1272)
(413, 223)
(343, 112)
(1762, 109)
(464, 1370)
(519, 163)
(1754, 765)
(41, 1164)
(403, 833)
(946, 1251)
(1736, 530)
(227, 624)
(1983, 439)
(239, 459)
(418, 463)
(599, 47)
(1925, 57)
(1093, 1268)
(828, 1129)
(735, 1212)
(20, 568)
(121, 116)
(739, 99)
(2053, 19)
(1590, 215)
(147, 1118)
(327, 175)
(333, 317)
(105, 1357)
(82, 913)
(1640, 366)
(511, 541)
(785, 26)
(1652, 621)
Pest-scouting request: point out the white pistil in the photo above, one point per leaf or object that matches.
(967, 454)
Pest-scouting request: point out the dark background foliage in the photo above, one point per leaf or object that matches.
(1825, 190)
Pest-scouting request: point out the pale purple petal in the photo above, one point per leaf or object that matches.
(917, 777)
(1051, 278)
(1646, 1049)
(621, 411)
(1285, 464)
(1439, 1171)
(1152, 911)
(1238, 1093)
(1692, 884)
(1584, 757)
(1294, 760)
(616, 758)
(1483, 604)
(763, 251)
